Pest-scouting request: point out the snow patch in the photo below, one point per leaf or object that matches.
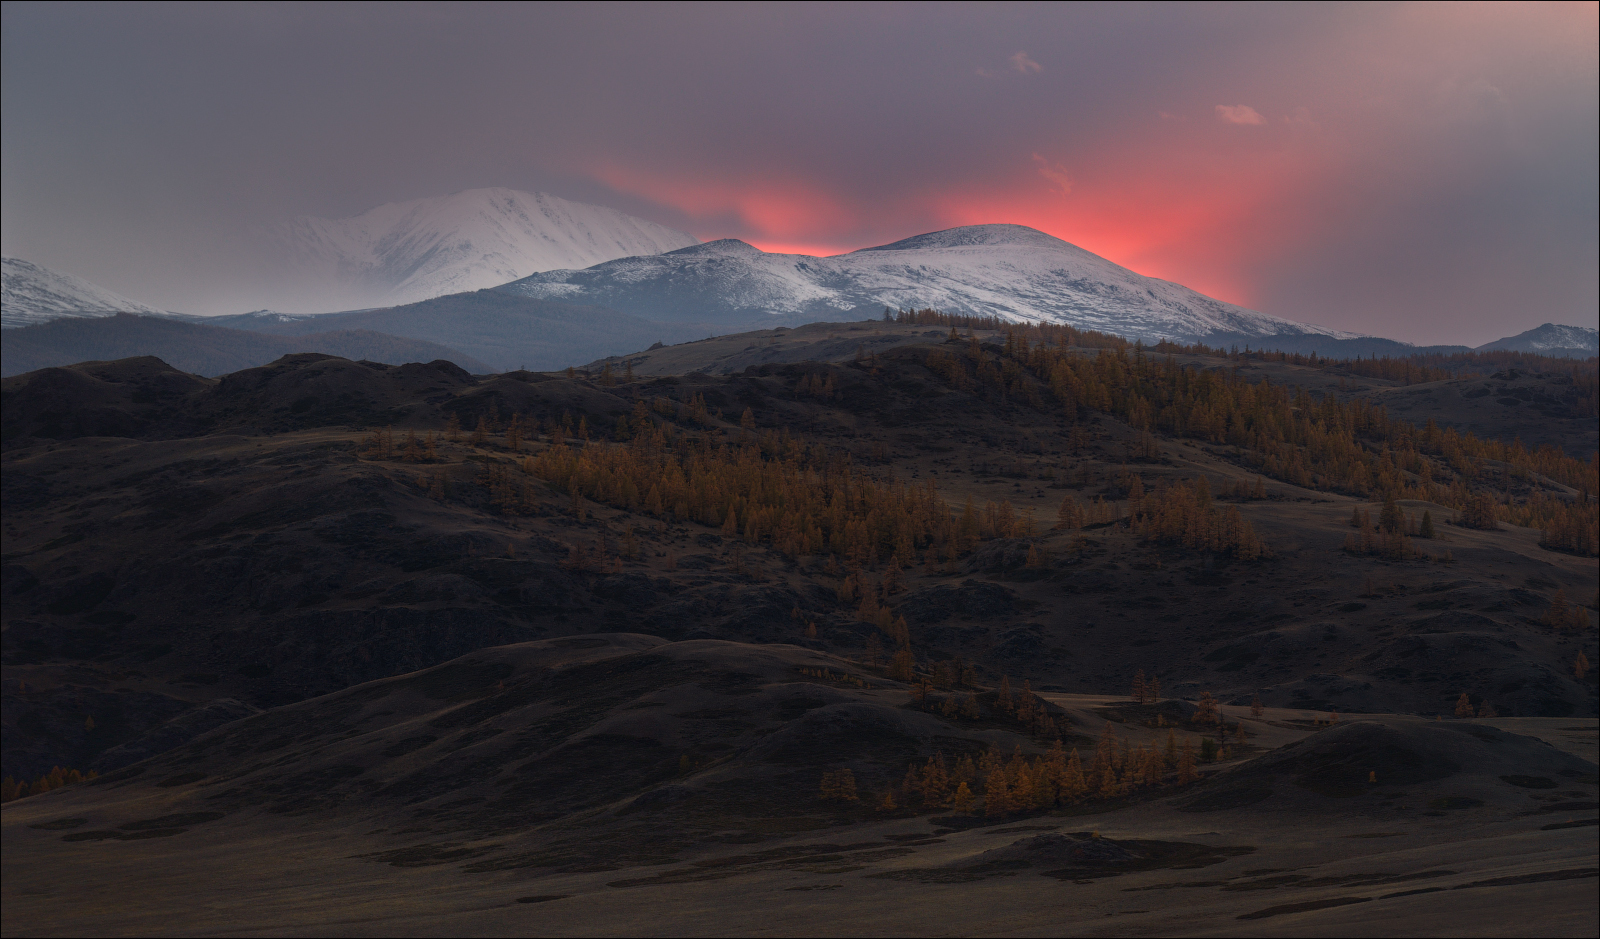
(31, 293)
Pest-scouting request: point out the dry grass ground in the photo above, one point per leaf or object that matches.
(473, 828)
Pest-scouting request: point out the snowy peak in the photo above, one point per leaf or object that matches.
(974, 235)
(404, 252)
(722, 247)
(1010, 271)
(1549, 338)
(32, 294)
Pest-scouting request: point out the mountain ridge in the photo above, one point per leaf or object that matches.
(1547, 338)
(1011, 271)
(202, 348)
(32, 293)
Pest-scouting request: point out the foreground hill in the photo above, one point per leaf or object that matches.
(591, 784)
(174, 541)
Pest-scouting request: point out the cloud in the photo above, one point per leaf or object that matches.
(1022, 63)
(1239, 114)
(1057, 175)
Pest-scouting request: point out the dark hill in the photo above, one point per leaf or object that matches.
(204, 348)
(173, 540)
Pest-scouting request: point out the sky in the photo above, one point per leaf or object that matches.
(1425, 172)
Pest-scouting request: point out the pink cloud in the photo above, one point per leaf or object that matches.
(1060, 182)
(1239, 114)
(1022, 63)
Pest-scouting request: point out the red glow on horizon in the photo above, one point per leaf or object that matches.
(1205, 207)
(809, 249)
(777, 208)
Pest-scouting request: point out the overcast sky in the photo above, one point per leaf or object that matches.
(1427, 173)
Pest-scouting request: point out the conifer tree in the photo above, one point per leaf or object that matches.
(1256, 708)
(1425, 530)
(1580, 665)
(963, 799)
(1069, 517)
(1390, 518)
(1186, 768)
(902, 666)
(1139, 691)
(1073, 784)
(1107, 787)
(1171, 754)
(1464, 706)
(996, 794)
(1105, 749)
(1559, 613)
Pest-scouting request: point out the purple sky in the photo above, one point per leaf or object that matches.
(1424, 172)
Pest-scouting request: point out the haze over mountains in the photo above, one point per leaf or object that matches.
(497, 279)
(404, 252)
(32, 294)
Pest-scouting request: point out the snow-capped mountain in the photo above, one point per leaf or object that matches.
(409, 251)
(1549, 338)
(1011, 271)
(32, 294)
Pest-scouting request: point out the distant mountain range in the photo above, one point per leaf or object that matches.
(623, 304)
(1550, 339)
(409, 251)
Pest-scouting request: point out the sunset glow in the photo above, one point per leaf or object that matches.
(1425, 171)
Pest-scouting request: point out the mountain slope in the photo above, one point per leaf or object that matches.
(409, 251)
(201, 348)
(1549, 339)
(1009, 271)
(30, 293)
